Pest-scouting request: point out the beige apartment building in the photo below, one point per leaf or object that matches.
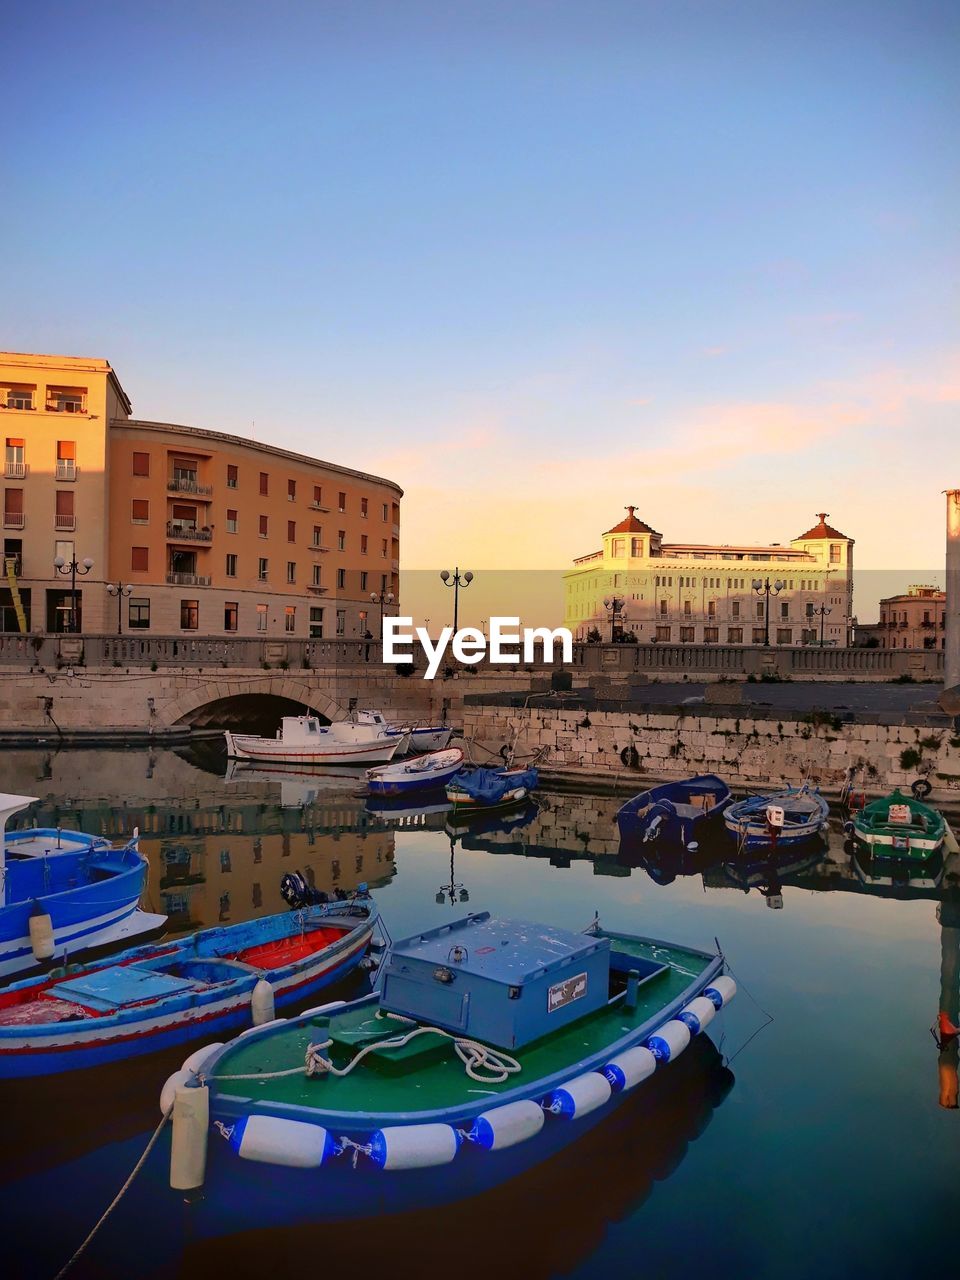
(163, 529)
(916, 620)
(640, 587)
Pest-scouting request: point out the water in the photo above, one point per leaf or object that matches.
(820, 1149)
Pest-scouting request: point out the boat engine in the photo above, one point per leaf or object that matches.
(297, 893)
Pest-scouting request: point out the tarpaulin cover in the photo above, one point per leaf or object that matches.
(490, 785)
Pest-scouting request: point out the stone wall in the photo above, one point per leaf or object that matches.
(745, 750)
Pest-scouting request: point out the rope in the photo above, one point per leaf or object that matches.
(763, 1025)
(119, 1196)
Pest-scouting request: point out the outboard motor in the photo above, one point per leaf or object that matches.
(296, 893)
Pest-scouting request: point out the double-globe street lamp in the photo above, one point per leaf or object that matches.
(614, 606)
(121, 590)
(763, 589)
(73, 569)
(822, 611)
(381, 598)
(456, 580)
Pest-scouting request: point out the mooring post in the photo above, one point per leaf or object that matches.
(951, 658)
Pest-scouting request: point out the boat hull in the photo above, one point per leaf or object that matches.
(427, 774)
(662, 815)
(272, 751)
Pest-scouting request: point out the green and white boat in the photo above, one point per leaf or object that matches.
(899, 828)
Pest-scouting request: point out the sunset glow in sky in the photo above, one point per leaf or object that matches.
(533, 261)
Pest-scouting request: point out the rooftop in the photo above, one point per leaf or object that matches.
(632, 525)
(821, 530)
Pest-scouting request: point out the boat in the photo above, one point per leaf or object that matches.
(65, 893)
(426, 737)
(778, 819)
(900, 829)
(151, 997)
(412, 810)
(435, 769)
(304, 740)
(675, 812)
(480, 790)
(484, 1034)
(769, 874)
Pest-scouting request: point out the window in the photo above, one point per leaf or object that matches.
(835, 553)
(316, 624)
(264, 483)
(291, 571)
(138, 614)
(663, 633)
(734, 635)
(341, 502)
(231, 521)
(636, 546)
(760, 609)
(263, 566)
(233, 476)
(230, 614)
(758, 635)
(64, 518)
(784, 609)
(735, 609)
(140, 559)
(19, 397)
(14, 467)
(784, 635)
(383, 582)
(141, 464)
(385, 512)
(65, 551)
(290, 618)
(711, 608)
(363, 544)
(341, 622)
(363, 581)
(686, 608)
(65, 460)
(341, 579)
(185, 474)
(264, 525)
(618, 546)
(341, 540)
(711, 635)
(663, 607)
(687, 635)
(316, 575)
(383, 548)
(317, 496)
(140, 511)
(231, 566)
(261, 617)
(317, 535)
(291, 490)
(66, 399)
(189, 615)
(364, 509)
(291, 530)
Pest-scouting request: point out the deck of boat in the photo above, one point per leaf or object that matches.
(427, 1074)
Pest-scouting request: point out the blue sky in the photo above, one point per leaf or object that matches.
(533, 261)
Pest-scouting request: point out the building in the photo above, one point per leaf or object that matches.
(213, 534)
(916, 620)
(640, 587)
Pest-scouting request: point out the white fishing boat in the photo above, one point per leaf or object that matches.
(426, 737)
(304, 740)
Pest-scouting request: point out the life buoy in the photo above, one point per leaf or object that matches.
(630, 757)
(921, 788)
(505, 754)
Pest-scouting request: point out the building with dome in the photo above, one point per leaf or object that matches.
(638, 587)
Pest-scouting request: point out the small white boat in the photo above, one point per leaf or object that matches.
(422, 774)
(428, 737)
(304, 740)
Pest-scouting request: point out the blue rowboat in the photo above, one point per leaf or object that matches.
(479, 790)
(152, 997)
(777, 820)
(675, 813)
(485, 1034)
(65, 893)
(423, 774)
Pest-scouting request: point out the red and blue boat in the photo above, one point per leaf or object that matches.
(149, 998)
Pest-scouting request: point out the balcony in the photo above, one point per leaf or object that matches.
(13, 520)
(19, 400)
(66, 469)
(187, 580)
(65, 524)
(317, 589)
(315, 546)
(188, 484)
(14, 470)
(317, 506)
(183, 531)
(65, 406)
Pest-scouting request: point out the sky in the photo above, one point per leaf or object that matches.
(533, 261)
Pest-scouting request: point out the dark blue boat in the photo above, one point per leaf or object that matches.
(675, 813)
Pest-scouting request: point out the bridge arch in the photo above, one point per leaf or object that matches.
(208, 701)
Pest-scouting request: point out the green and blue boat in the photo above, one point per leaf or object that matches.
(899, 828)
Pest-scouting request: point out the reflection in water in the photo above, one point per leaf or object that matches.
(948, 1023)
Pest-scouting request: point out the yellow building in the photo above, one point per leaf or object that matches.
(641, 587)
(916, 620)
(211, 533)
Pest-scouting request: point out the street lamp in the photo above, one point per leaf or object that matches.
(454, 890)
(763, 588)
(456, 580)
(119, 589)
(73, 569)
(381, 598)
(614, 606)
(822, 611)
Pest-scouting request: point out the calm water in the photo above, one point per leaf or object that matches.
(818, 1147)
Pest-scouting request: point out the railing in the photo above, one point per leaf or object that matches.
(66, 469)
(14, 470)
(64, 524)
(65, 406)
(13, 520)
(19, 402)
(188, 532)
(187, 580)
(317, 506)
(180, 484)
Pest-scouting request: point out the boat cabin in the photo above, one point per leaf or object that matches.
(299, 730)
(503, 982)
